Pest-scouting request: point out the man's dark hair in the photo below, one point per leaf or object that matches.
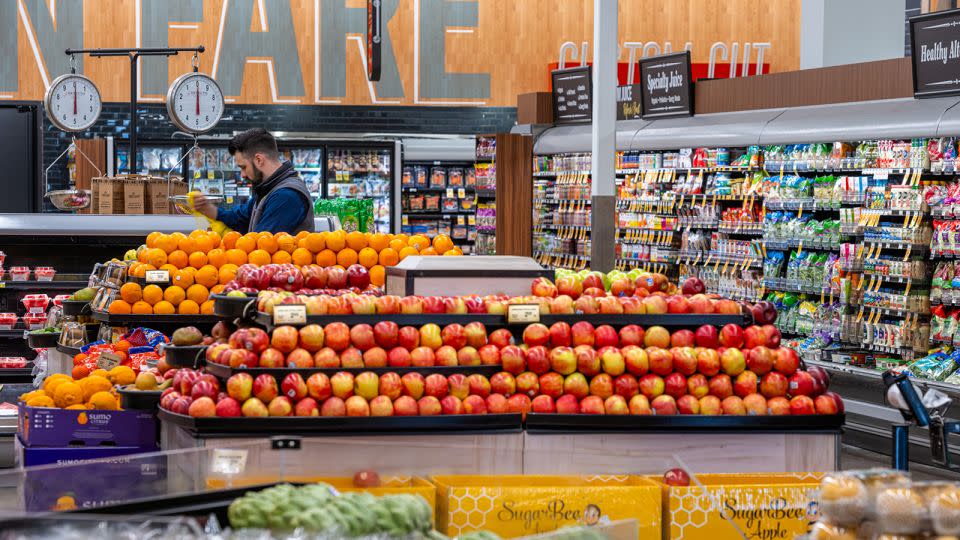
(252, 141)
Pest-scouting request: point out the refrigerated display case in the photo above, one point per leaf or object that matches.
(156, 158)
(362, 171)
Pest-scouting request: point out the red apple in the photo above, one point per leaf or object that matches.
(294, 387)
(661, 360)
(269, 358)
(202, 407)
(774, 384)
(682, 338)
(408, 337)
(351, 357)
(708, 361)
(651, 385)
(479, 385)
(386, 305)
(731, 335)
(631, 334)
(281, 406)
(778, 406)
(623, 286)
(300, 358)
(413, 385)
(311, 337)
(560, 335)
(543, 404)
(429, 406)
(707, 336)
(693, 286)
(341, 384)
(227, 408)
(684, 360)
(754, 336)
(391, 385)
(828, 403)
(720, 386)
(602, 386)
(476, 334)
(733, 405)
(687, 404)
(632, 305)
(576, 385)
(336, 335)
(657, 336)
(543, 287)
(678, 304)
(519, 403)
(502, 383)
(755, 404)
(375, 357)
(616, 405)
(675, 384)
(801, 383)
(655, 304)
(592, 405)
(536, 334)
(700, 303)
(496, 404)
(386, 334)
(567, 404)
(625, 385)
(240, 386)
(468, 356)
(772, 334)
(445, 356)
(489, 355)
(582, 333)
(405, 406)
(333, 406)
(551, 384)
(586, 304)
(822, 378)
(786, 362)
(562, 305)
(611, 361)
(732, 362)
(411, 305)
(326, 358)
(513, 359)
(501, 338)
(745, 384)
(710, 406)
(697, 385)
(528, 383)
(474, 404)
(398, 357)
(454, 335)
(265, 388)
(570, 285)
(664, 405)
(538, 359)
(639, 405)
(436, 385)
(605, 336)
(451, 405)
(802, 405)
(422, 357)
(434, 304)
(284, 338)
(635, 360)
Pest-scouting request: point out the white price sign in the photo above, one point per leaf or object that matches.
(523, 313)
(157, 276)
(289, 314)
(108, 361)
(227, 461)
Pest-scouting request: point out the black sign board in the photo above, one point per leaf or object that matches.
(572, 95)
(628, 102)
(373, 39)
(935, 48)
(667, 89)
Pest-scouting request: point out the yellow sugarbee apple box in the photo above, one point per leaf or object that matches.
(523, 505)
(778, 506)
(389, 485)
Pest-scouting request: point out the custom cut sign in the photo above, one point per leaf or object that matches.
(572, 95)
(935, 50)
(667, 89)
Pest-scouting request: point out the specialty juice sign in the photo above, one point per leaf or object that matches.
(935, 47)
(667, 87)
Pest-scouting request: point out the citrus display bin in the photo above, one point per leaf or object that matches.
(391, 485)
(764, 506)
(522, 505)
(40, 426)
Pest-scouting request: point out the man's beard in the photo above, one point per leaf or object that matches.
(257, 175)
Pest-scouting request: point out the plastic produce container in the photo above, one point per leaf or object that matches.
(12, 362)
(44, 273)
(58, 299)
(36, 303)
(20, 273)
(35, 321)
(8, 321)
(3, 257)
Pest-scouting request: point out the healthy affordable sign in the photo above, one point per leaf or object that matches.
(935, 47)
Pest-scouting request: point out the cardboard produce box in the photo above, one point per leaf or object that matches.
(134, 194)
(107, 195)
(763, 506)
(40, 426)
(523, 505)
(158, 193)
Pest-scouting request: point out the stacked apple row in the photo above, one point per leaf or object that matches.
(343, 394)
(307, 279)
(385, 344)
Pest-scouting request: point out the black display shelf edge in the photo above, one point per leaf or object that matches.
(72, 351)
(590, 423)
(224, 372)
(17, 375)
(687, 320)
(146, 400)
(42, 285)
(147, 320)
(189, 356)
(339, 425)
(75, 307)
(42, 341)
(231, 306)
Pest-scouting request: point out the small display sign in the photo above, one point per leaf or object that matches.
(157, 276)
(108, 361)
(935, 51)
(523, 313)
(290, 314)
(667, 89)
(628, 102)
(572, 95)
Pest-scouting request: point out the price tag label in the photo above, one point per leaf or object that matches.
(472, 220)
(289, 314)
(449, 193)
(404, 220)
(462, 193)
(460, 220)
(157, 276)
(228, 461)
(523, 313)
(108, 361)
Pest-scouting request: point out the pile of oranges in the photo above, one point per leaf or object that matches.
(203, 262)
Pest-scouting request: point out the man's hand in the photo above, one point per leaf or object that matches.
(205, 206)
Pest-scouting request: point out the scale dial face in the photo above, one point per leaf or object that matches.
(72, 102)
(195, 102)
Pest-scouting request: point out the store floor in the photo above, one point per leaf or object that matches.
(852, 457)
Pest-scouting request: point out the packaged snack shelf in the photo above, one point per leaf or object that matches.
(340, 425)
(579, 423)
(224, 372)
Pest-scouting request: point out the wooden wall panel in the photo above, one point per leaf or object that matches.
(514, 42)
(514, 195)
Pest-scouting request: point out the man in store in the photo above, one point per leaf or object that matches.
(280, 201)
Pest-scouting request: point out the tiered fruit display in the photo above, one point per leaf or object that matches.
(384, 344)
(202, 263)
(133, 351)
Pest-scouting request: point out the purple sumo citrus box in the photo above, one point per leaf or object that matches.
(61, 427)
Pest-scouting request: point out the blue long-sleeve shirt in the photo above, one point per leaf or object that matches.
(283, 212)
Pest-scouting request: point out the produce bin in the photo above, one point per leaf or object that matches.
(435, 276)
(62, 427)
(731, 507)
(513, 506)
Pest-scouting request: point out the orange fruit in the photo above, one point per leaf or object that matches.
(156, 257)
(188, 307)
(167, 243)
(356, 240)
(378, 275)
(182, 279)
(346, 257)
(187, 245)
(419, 241)
(171, 269)
(198, 259)
(336, 240)
(367, 257)
(131, 293)
(119, 307)
(174, 295)
(259, 257)
(179, 258)
(326, 258)
(236, 256)
(207, 276)
(164, 308)
(152, 294)
(316, 242)
(151, 241)
(206, 308)
(407, 251)
(227, 273)
(80, 372)
(217, 257)
(247, 243)
(122, 345)
(388, 257)
(198, 293)
(268, 244)
(142, 254)
(79, 358)
(428, 251)
(455, 252)
(281, 257)
(379, 241)
(205, 243)
(229, 240)
(141, 308)
(214, 239)
(401, 236)
(286, 242)
(301, 235)
(137, 270)
(397, 244)
(196, 233)
(217, 289)
(302, 257)
(442, 243)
